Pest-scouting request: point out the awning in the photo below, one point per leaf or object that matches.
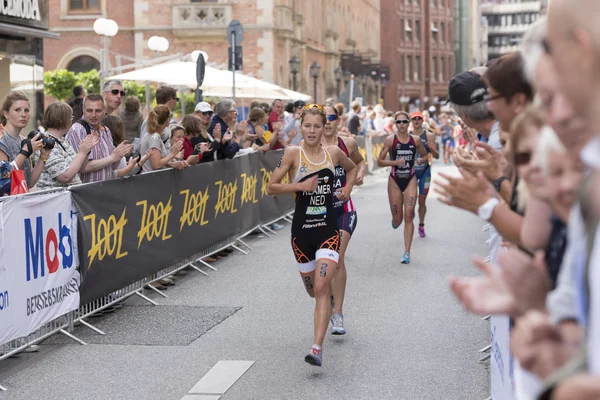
(18, 30)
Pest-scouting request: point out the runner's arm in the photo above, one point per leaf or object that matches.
(357, 159)
(433, 145)
(275, 187)
(381, 161)
(420, 146)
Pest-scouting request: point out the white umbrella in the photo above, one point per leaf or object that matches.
(217, 83)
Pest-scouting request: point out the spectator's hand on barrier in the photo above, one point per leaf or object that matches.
(483, 295)
(192, 160)
(309, 185)
(468, 193)
(468, 133)
(527, 278)
(176, 148)
(87, 144)
(539, 345)
(180, 165)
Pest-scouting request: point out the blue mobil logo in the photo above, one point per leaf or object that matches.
(47, 250)
(4, 300)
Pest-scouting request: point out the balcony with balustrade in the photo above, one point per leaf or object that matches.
(201, 19)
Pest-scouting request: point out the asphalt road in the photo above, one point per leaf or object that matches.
(407, 337)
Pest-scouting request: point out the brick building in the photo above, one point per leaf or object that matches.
(417, 41)
(274, 32)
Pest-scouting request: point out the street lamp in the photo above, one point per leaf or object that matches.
(105, 28)
(338, 73)
(294, 68)
(315, 70)
(158, 44)
(363, 79)
(384, 82)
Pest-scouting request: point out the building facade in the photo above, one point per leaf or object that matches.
(23, 26)
(508, 20)
(471, 40)
(417, 41)
(275, 31)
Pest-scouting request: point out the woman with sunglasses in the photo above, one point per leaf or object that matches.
(344, 211)
(310, 168)
(422, 167)
(402, 148)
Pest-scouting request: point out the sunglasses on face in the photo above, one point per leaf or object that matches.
(522, 158)
(332, 117)
(402, 121)
(207, 113)
(488, 97)
(417, 119)
(117, 91)
(175, 98)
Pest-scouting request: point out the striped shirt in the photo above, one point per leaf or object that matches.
(103, 149)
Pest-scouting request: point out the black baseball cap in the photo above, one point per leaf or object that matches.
(299, 104)
(467, 88)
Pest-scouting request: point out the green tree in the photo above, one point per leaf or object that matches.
(90, 81)
(134, 89)
(59, 84)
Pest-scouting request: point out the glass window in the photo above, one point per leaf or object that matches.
(417, 30)
(84, 6)
(443, 32)
(83, 64)
(409, 68)
(434, 68)
(402, 69)
(442, 72)
(417, 68)
(409, 30)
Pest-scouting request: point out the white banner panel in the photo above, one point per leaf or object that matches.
(39, 278)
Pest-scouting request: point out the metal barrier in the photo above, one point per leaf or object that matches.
(66, 323)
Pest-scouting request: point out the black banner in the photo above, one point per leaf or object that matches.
(370, 155)
(132, 228)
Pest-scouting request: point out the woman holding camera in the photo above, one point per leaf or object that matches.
(61, 168)
(15, 117)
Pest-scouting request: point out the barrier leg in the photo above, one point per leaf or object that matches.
(244, 244)
(288, 219)
(240, 250)
(92, 327)
(269, 229)
(3, 389)
(148, 299)
(486, 348)
(156, 290)
(197, 269)
(486, 318)
(484, 358)
(73, 337)
(206, 264)
(264, 231)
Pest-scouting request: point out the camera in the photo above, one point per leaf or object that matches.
(47, 141)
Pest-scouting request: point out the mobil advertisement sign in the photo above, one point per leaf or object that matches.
(39, 259)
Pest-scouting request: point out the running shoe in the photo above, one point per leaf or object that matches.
(394, 225)
(337, 324)
(405, 258)
(422, 231)
(276, 227)
(315, 357)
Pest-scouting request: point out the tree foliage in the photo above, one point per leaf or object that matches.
(59, 84)
(89, 80)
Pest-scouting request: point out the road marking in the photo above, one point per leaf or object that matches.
(202, 397)
(221, 377)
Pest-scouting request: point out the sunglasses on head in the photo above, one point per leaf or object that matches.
(117, 91)
(402, 121)
(522, 158)
(317, 106)
(417, 119)
(332, 117)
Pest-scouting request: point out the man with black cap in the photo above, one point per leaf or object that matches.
(467, 96)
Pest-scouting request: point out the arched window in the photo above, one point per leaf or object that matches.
(83, 64)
